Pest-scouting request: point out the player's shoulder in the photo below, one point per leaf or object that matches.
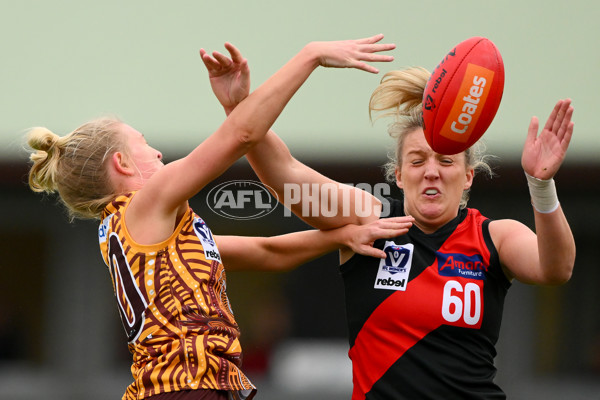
(118, 204)
(502, 229)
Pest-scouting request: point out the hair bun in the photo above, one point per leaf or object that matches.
(43, 139)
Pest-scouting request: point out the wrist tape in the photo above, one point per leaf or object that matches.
(543, 194)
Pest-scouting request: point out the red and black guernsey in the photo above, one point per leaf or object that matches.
(423, 323)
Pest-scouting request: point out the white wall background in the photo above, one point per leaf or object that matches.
(64, 62)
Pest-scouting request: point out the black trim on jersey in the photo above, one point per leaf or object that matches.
(494, 257)
(498, 291)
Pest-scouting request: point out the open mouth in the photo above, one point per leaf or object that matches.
(431, 192)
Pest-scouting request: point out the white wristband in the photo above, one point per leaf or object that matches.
(543, 194)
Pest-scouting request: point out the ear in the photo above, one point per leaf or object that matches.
(120, 163)
(470, 176)
(398, 177)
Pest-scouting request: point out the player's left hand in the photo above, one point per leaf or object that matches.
(360, 238)
(544, 153)
(229, 77)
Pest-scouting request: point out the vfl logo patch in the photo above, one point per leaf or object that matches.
(394, 269)
(459, 265)
(103, 229)
(208, 242)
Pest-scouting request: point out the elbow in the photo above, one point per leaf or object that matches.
(247, 128)
(559, 279)
(247, 138)
(561, 275)
(245, 135)
(560, 266)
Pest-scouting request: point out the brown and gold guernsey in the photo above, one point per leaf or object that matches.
(174, 308)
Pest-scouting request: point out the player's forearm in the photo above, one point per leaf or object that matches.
(307, 192)
(556, 246)
(290, 251)
(257, 113)
(278, 253)
(273, 163)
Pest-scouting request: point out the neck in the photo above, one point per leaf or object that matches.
(431, 225)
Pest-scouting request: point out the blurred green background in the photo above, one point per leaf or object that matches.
(64, 62)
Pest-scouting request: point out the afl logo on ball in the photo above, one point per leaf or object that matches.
(429, 104)
(242, 199)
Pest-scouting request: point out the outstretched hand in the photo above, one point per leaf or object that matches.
(360, 238)
(229, 77)
(544, 153)
(353, 53)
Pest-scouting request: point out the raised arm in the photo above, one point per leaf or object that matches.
(308, 193)
(164, 196)
(273, 163)
(548, 255)
(285, 252)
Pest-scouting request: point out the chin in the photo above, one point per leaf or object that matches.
(433, 216)
(431, 210)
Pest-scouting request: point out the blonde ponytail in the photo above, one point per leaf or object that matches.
(74, 165)
(45, 159)
(400, 94)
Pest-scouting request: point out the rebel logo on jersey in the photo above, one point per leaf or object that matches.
(395, 268)
(211, 252)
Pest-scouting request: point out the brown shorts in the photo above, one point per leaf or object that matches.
(199, 394)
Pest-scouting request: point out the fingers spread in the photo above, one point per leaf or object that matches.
(565, 123)
(372, 251)
(376, 57)
(553, 115)
(372, 39)
(222, 59)
(210, 63)
(366, 67)
(533, 129)
(560, 115)
(374, 48)
(566, 139)
(236, 55)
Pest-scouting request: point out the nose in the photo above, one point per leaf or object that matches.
(159, 155)
(431, 170)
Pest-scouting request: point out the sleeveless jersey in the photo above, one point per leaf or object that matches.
(174, 308)
(423, 323)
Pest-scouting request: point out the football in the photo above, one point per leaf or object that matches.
(462, 95)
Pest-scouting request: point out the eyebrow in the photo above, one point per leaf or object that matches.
(416, 152)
